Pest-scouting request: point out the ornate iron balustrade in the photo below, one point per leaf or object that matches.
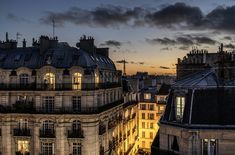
(47, 133)
(21, 132)
(75, 133)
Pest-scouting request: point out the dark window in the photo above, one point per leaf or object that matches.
(76, 100)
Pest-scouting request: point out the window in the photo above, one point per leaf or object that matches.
(76, 101)
(48, 126)
(47, 148)
(151, 116)
(77, 81)
(143, 134)
(23, 124)
(23, 146)
(24, 79)
(143, 125)
(151, 125)
(143, 144)
(49, 81)
(151, 135)
(48, 103)
(147, 96)
(77, 150)
(209, 146)
(180, 102)
(151, 107)
(142, 106)
(76, 125)
(143, 115)
(161, 108)
(96, 78)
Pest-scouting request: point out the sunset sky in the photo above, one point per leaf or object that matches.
(149, 34)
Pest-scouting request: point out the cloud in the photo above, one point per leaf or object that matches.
(103, 16)
(231, 46)
(15, 18)
(227, 38)
(163, 41)
(113, 43)
(185, 48)
(185, 41)
(173, 15)
(164, 67)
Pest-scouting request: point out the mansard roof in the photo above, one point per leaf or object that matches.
(207, 104)
(60, 56)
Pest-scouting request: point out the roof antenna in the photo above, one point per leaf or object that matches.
(53, 24)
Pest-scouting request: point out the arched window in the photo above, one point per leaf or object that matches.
(77, 81)
(24, 79)
(76, 125)
(49, 81)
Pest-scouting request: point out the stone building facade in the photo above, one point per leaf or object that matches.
(58, 99)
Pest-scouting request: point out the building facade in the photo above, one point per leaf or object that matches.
(58, 99)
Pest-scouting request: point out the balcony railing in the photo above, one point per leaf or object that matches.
(20, 153)
(59, 86)
(29, 108)
(47, 133)
(21, 132)
(75, 133)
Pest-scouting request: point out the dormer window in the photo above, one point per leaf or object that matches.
(147, 96)
(180, 103)
(77, 81)
(49, 81)
(24, 79)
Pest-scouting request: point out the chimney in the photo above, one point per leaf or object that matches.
(24, 43)
(86, 44)
(44, 44)
(7, 37)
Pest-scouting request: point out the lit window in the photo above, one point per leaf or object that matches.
(49, 81)
(147, 96)
(151, 116)
(161, 108)
(77, 81)
(24, 79)
(151, 135)
(180, 102)
(151, 125)
(143, 125)
(142, 106)
(48, 103)
(77, 150)
(143, 115)
(209, 146)
(96, 78)
(151, 107)
(23, 146)
(76, 100)
(47, 148)
(143, 134)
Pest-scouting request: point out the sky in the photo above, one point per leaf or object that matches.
(150, 35)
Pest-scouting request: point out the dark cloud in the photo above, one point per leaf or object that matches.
(113, 43)
(164, 67)
(185, 41)
(227, 38)
(178, 15)
(184, 48)
(163, 41)
(121, 61)
(231, 46)
(204, 40)
(101, 16)
(173, 15)
(15, 18)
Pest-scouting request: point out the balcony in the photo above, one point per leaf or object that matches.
(29, 108)
(75, 133)
(21, 132)
(47, 133)
(58, 86)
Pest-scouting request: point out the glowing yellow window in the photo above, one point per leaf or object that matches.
(49, 80)
(77, 81)
(23, 146)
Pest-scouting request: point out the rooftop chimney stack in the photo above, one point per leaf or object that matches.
(24, 43)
